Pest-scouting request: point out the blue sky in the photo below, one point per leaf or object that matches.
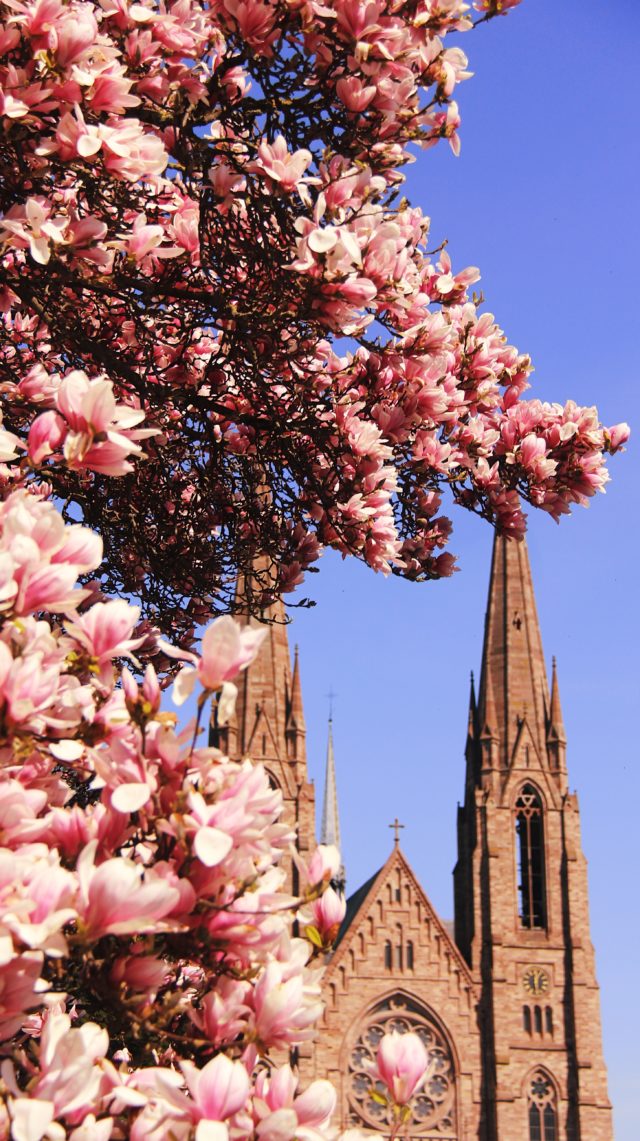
(544, 200)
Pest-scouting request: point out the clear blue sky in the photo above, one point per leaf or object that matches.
(544, 200)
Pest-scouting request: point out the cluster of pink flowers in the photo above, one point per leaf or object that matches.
(139, 878)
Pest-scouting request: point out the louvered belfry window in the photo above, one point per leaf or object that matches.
(530, 848)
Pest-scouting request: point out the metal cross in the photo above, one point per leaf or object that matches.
(331, 696)
(396, 826)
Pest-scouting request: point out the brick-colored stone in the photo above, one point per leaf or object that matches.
(469, 985)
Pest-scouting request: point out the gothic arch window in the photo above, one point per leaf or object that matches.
(433, 1110)
(410, 959)
(548, 1020)
(542, 1108)
(530, 850)
(537, 1018)
(526, 1019)
(388, 955)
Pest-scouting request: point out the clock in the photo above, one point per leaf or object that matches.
(535, 981)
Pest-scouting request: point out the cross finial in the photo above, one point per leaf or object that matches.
(331, 696)
(396, 827)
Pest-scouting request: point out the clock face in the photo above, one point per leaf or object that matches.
(535, 981)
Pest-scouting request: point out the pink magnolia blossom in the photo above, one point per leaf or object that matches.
(327, 914)
(402, 1064)
(101, 433)
(116, 898)
(323, 866)
(46, 435)
(104, 632)
(284, 1009)
(227, 648)
(40, 557)
(282, 167)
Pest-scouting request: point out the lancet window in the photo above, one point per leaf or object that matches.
(433, 1109)
(542, 1108)
(530, 850)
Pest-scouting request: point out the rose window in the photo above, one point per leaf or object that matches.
(433, 1109)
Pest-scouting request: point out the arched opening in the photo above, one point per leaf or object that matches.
(432, 1112)
(542, 1108)
(387, 955)
(537, 1019)
(548, 1018)
(526, 1019)
(410, 955)
(530, 850)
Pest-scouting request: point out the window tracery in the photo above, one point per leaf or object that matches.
(434, 1107)
(542, 1108)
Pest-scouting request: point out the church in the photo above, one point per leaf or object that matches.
(505, 998)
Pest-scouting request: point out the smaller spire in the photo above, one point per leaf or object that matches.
(330, 830)
(296, 711)
(473, 711)
(295, 729)
(556, 724)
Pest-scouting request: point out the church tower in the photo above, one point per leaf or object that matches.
(269, 726)
(521, 904)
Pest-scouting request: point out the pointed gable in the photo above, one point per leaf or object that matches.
(392, 930)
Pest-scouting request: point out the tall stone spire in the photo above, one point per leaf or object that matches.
(330, 829)
(264, 707)
(513, 684)
(269, 725)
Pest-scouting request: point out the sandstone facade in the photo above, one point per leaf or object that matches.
(507, 1002)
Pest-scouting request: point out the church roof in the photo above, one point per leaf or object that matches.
(354, 904)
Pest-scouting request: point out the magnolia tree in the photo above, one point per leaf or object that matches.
(147, 965)
(197, 200)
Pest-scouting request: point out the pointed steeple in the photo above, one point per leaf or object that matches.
(513, 686)
(556, 736)
(473, 711)
(556, 724)
(330, 828)
(264, 705)
(295, 728)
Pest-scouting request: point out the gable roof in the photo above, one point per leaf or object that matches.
(361, 903)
